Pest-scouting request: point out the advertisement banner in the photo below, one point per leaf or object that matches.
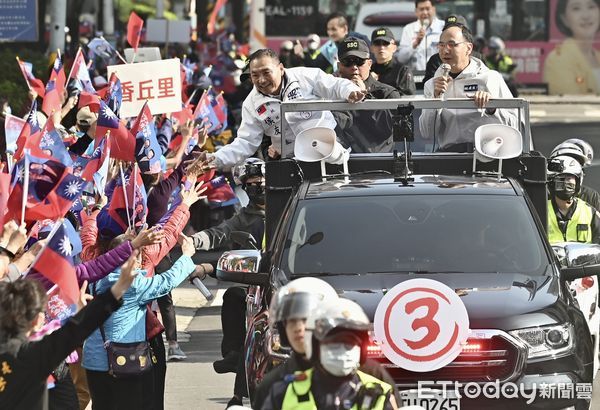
(18, 20)
(158, 82)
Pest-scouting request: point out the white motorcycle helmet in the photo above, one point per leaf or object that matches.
(586, 148)
(558, 169)
(569, 149)
(296, 300)
(334, 315)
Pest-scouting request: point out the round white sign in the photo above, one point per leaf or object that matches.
(421, 325)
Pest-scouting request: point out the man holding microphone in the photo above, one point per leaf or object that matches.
(419, 39)
(462, 76)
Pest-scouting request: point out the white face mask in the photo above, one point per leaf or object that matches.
(338, 360)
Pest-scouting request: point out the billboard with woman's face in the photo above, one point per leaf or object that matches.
(573, 64)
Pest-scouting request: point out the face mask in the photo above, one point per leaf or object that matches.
(564, 190)
(256, 193)
(338, 360)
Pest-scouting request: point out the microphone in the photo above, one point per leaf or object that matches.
(425, 23)
(203, 289)
(445, 72)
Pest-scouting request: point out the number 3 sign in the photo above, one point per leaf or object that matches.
(421, 325)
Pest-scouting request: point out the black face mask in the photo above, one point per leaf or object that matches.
(256, 193)
(563, 190)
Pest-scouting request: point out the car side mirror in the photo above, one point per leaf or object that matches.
(241, 266)
(577, 260)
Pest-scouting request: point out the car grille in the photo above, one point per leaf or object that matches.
(482, 360)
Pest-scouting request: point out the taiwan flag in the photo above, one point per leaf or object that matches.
(51, 102)
(51, 191)
(114, 94)
(55, 262)
(205, 116)
(79, 71)
(58, 75)
(147, 149)
(32, 82)
(30, 130)
(129, 201)
(50, 145)
(134, 30)
(122, 143)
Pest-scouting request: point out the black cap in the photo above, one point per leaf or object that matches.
(455, 20)
(352, 46)
(382, 33)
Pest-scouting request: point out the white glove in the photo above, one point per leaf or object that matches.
(201, 241)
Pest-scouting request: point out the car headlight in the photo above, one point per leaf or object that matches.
(546, 340)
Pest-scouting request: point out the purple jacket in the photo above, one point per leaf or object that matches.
(158, 196)
(94, 269)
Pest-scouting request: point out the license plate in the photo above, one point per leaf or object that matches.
(430, 399)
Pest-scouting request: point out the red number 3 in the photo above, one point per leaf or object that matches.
(427, 321)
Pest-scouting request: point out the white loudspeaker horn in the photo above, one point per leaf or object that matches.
(319, 144)
(496, 141)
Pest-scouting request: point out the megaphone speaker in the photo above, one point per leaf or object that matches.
(316, 144)
(497, 141)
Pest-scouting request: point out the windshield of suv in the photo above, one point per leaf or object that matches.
(416, 233)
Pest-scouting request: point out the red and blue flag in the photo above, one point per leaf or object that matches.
(55, 262)
(31, 129)
(147, 149)
(51, 191)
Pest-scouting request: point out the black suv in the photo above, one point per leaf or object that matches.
(483, 236)
(479, 235)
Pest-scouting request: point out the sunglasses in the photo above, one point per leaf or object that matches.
(349, 62)
(382, 43)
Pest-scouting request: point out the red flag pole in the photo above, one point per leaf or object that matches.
(25, 186)
(57, 225)
(125, 194)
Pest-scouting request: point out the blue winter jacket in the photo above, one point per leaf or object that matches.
(128, 324)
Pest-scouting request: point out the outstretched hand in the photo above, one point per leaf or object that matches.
(128, 274)
(148, 236)
(192, 195)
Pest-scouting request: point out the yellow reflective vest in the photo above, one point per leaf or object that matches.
(579, 228)
(298, 395)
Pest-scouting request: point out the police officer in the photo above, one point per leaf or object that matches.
(570, 219)
(584, 154)
(388, 68)
(498, 60)
(289, 309)
(336, 346)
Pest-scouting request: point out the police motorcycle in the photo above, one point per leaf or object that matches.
(525, 327)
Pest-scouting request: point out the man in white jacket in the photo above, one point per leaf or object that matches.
(261, 109)
(453, 130)
(419, 38)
